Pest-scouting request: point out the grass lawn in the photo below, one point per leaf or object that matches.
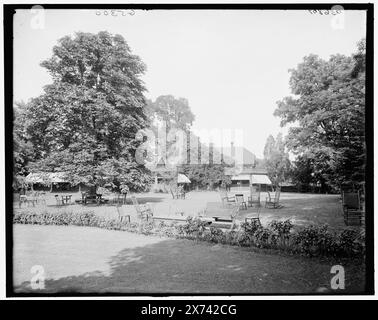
(302, 209)
(78, 259)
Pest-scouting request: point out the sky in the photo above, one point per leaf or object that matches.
(231, 65)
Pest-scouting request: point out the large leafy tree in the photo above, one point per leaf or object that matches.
(327, 114)
(23, 151)
(86, 121)
(276, 160)
(168, 115)
(175, 112)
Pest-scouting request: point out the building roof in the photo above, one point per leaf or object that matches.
(256, 178)
(247, 171)
(241, 154)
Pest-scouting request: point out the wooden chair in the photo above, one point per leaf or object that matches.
(143, 211)
(352, 208)
(255, 217)
(226, 199)
(41, 197)
(27, 199)
(239, 199)
(252, 201)
(121, 214)
(273, 203)
(58, 200)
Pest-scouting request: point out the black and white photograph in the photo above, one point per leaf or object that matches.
(189, 151)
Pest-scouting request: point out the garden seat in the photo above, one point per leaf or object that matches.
(239, 199)
(273, 203)
(183, 219)
(122, 215)
(255, 217)
(254, 200)
(226, 199)
(27, 199)
(352, 208)
(143, 211)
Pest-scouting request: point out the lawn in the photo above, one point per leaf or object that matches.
(80, 259)
(301, 209)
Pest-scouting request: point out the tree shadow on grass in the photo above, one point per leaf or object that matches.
(187, 267)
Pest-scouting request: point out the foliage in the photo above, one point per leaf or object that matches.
(22, 148)
(327, 114)
(311, 240)
(174, 112)
(276, 160)
(85, 123)
(205, 175)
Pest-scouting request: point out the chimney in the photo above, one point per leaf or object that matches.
(232, 150)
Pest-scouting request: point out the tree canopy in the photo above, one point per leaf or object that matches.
(276, 160)
(85, 122)
(327, 114)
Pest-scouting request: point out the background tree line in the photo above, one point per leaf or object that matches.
(326, 112)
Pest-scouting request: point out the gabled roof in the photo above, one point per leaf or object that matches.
(235, 171)
(243, 155)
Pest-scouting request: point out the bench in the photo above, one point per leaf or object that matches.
(170, 218)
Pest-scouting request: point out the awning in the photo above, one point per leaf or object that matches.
(256, 178)
(260, 179)
(240, 177)
(46, 177)
(182, 178)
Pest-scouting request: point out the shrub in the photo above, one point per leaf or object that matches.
(315, 240)
(265, 238)
(351, 242)
(250, 227)
(282, 231)
(312, 240)
(282, 228)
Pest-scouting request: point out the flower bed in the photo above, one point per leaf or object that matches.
(311, 241)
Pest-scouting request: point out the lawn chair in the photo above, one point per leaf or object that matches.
(122, 215)
(58, 200)
(352, 208)
(254, 201)
(239, 199)
(27, 199)
(143, 211)
(256, 217)
(226, 199)
(41, 197)
(273, 203)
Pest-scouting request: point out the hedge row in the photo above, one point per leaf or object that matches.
(311, 241)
